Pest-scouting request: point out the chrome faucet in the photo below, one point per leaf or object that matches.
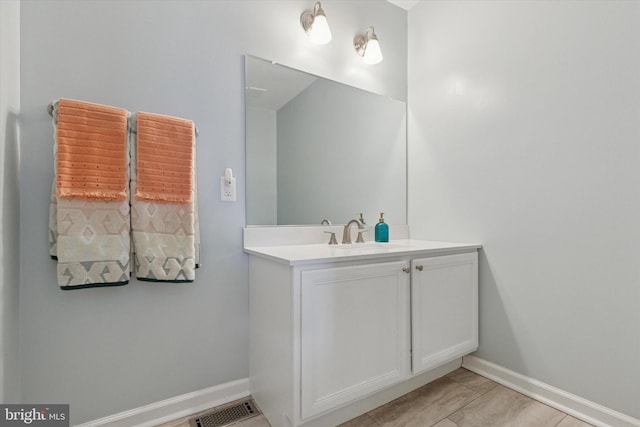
(346, 234)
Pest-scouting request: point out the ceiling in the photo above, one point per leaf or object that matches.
(270, 86)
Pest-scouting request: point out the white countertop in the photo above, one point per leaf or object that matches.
(318, 253)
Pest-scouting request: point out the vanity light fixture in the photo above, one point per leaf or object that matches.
(315, 25)
(368, 47)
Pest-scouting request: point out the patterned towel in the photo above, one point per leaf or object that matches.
(164, 204)
(89, 222)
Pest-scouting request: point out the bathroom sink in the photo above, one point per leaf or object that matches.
(370, 247)
(315, 252)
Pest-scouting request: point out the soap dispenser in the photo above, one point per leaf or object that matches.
(361, 219)
(382, 230)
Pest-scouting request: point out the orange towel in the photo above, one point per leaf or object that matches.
(164, 158)
(92, 151)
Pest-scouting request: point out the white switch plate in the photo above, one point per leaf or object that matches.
(227, 191)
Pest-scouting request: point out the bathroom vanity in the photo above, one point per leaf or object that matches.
(333, 324)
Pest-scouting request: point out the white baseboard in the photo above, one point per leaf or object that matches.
(571, 404)
(175, 407)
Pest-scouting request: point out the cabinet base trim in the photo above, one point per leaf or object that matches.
(325, 403)
(359, 407)
(576, 406)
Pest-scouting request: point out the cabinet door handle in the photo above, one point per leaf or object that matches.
(419, 267)
(406, 269)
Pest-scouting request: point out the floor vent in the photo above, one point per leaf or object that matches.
(226, 415)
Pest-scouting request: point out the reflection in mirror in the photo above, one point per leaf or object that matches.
(317, 149)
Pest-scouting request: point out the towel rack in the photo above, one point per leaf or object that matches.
(51, 107)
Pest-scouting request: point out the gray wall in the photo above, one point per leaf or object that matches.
(9, 201)
(342, 151)
(524, 135)
(111, 349)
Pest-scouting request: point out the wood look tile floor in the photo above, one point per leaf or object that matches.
(459, 399)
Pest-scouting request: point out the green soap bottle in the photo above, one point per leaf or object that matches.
(382, 230)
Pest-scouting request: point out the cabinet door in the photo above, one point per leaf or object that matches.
(354, 333)
(444, 307)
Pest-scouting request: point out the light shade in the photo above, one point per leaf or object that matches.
(315, 25)
(372, 53)
(368, 46)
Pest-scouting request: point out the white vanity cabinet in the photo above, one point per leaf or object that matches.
(444, 309)
(355, 332)
(334, 333)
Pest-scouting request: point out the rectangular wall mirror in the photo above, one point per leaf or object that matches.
(317, 149)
